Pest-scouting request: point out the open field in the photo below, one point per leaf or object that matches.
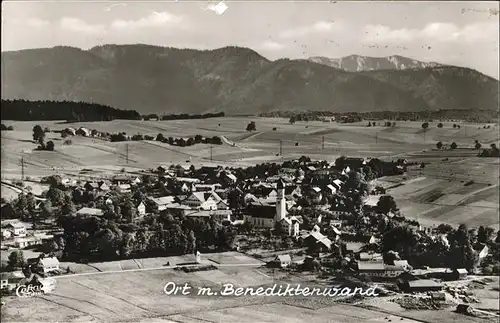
(439, 197)
(138, 296)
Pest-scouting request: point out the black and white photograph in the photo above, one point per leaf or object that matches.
(250, 161)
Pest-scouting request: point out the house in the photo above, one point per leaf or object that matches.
(47, 264)
(197, 213)
(10, 280)
(6, 234)
(136, 181)
(120, 179)
(221, 216)
(25, 242)
(90, 211)
(291, 226)
(365, 256)
(332, 189)
(457, 274)
(284, 260)
(222, 205)
(124, 188)
(103, 186)
(337, 183)
(83, 132)
(366, 239)
(316, 239)
(293, 192)
(141, 209)
(336, 224)
(379, 269)
(420, 285)
(162, 202)
(17, 228)
(202, 200)
(90, 186)
(228, 177)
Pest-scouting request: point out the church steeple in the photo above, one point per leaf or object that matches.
(280, 201)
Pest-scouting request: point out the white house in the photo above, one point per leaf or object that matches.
(283, 260)
(202, 200)
(141, 209)
(10, 280)
(90, 211)
(17, 228)
(48, 264)
(291, 226)
(162, 202)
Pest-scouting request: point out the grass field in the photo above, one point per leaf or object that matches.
(138, 296)
(439, 195)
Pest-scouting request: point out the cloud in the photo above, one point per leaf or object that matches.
(36, 22)
(318, 27)
(80, 26)
(270, 45)
(433, 32)
(155, 19)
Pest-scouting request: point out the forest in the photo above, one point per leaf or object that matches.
(23, 110)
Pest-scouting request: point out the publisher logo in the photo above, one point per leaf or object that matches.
(25, 291)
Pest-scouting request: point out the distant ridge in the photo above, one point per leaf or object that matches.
(236, 80)
(357, 63)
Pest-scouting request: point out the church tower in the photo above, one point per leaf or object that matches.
(280, 201)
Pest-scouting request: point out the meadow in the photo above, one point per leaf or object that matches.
(440, 194)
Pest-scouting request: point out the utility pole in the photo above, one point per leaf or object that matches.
(281, 147)
(211, 153)
(376, 137)
(22, 169)
(126, 147)
(323, 143)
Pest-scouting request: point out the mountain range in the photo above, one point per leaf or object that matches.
(236, 80)
(357, 63)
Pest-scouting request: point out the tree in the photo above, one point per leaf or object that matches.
(369, 124)
(10, 128)
(386, 204)
(440, 125)
(453, 145)
(425, 125)
(47, 211)
(292, 120)
(278, 229)
(38, 133)
(485, 234)
(439, 145)
(16, 259)
(50, 145)
(251, 126)
(55, 195)
(3, 127)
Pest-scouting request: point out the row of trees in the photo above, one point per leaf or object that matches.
(471, 115)
(181, 142)
(65, 110)
(39, 137)
(183, 116)
(6, 128)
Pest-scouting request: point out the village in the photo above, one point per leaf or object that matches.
(300, 216)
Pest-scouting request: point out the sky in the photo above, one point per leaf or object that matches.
(456, 33)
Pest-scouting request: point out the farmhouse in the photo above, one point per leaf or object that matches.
(90, 211)
(17, 229)
(10, 280)
(317, 239)
(284, 260)
(420, 285)
(202, 200)
(162, 202)
(379, 269)
(25, 242)
(47, 264)
(222, 216)
(83, 132)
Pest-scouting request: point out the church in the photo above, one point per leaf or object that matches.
(265, 215)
